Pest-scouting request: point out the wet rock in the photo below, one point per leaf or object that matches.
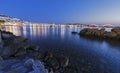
(34, 48)
(70, 70)
(47, 55)
(29, 63)
(8, 51)
(38, 67)
(7, 35)
(41, 56)
(26, 40)
(110, 35)
(15, 48)
(117, 30)
(21, 51)
(11, 71)
(64, 61)
(51, 70)
(18, 39)
(52, 63)
(1, 61)
(74, 32)
(6, 64)
(19, 68)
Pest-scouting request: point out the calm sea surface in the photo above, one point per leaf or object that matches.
(86, 55)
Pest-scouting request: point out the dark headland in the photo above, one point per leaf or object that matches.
(114, 34)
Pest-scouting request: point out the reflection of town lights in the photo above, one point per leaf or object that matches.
(24, 31)
(62, 32)
(14, 29)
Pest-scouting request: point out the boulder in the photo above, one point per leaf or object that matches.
(84, 31)
(74, 32)
(110, 35)
(11, 71)
(38, 67)
(117, 30)
(7, 51)
(64, 61)
(1, 61)
(21, 51)
(34, 48)
(41, 56)
(7, 35)
(47, 55)
(18, 39)
(29, 63)
(19, 68)
(53, 63)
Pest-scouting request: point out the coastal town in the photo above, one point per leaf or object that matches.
(9, 21)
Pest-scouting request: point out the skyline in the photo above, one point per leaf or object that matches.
(63, 11)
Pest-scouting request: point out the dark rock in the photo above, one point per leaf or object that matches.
(47, 55)
(18, 39)
(28, 64)
(19, 68)
(38, 67)
(110, 35)
(34, 48)
(21, 51)
(63, 61)
(41, 56)
(12, 71)
(74, 32)
(7, 35)
(71, 70)
(53, 63)
(1, 59)
(101, 34)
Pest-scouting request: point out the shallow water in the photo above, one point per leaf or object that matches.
(86, 55)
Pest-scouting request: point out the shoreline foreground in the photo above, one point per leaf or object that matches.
(18, 56)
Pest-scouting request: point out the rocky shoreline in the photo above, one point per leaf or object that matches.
(18, 56)
(114, 34)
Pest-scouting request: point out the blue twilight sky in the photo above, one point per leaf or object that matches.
(63, 11)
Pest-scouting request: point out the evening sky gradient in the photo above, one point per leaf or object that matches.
(63, 11)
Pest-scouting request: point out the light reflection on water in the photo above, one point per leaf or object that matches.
(104, 55)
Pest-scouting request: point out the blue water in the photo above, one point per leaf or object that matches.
(86, 55)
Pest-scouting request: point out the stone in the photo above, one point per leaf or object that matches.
(110, 35)
(19, 67)
(71, 70)
(41, 56)
(47, 55)
(74, 32)
(12, 71)
(1, 61)
(29, 63)
(21, 51)
(8, 51)
(1, 71)
(34, 48)
(38, 67)
(7, 35)
(64, 61)
(18, 39)
(53, 63)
